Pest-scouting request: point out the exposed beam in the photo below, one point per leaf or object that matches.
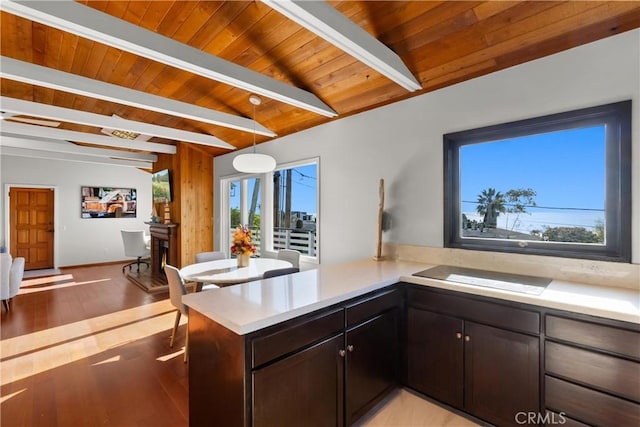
(36, 109)
(98, 26)
(26, 72)
(90, 138)
(5, 115)
(326, 22)
(24, 152)
(45, 144)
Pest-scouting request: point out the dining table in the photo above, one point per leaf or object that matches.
(225, 272)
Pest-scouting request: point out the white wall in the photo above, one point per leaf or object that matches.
(402, 143)
(77, 241)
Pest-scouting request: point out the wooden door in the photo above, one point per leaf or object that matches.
(304, 389)
(435, 355)
(372, 359)
(32, 226)
(501, 374)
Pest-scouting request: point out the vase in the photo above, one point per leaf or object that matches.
(243, 260)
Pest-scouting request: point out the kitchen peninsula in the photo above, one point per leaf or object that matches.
(325, 345)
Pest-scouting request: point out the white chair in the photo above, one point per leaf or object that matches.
(11, 274)
(209, 256)
(290, 255)
(176, 290)
(135, 246)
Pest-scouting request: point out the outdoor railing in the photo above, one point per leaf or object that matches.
(305, 242)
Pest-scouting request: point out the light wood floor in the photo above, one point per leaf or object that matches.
(405, 409)
(89, 348)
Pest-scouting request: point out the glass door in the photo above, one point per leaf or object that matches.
(245, 203)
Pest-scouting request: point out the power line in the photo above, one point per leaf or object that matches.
(304, 185)
(542, 207)
(303, 175)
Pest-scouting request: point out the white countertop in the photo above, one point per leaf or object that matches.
(255, 305)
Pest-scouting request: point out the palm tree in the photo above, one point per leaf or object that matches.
(490, 205)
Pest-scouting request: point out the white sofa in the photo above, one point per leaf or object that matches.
(11, 273)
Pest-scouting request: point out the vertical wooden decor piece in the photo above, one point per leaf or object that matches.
(379, 256)
(167, 213)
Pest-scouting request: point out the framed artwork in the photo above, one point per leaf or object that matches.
(109, 202)
(161, 186)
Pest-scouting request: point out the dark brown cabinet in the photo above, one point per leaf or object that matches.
(327, 368)
(304, 386)
(371, 363)
(331, 383)
(500, 361)
(336, 381)
(435, 355)
(487, 371)
(592, 370)
(501, 374)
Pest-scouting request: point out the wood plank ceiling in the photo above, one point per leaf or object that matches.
(441, 43)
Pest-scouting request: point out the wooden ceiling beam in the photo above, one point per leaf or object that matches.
(25, 152)
(90, 138)
(36, 109)
(47, 144)
(326, 22)
(42, 76)
(92, 24)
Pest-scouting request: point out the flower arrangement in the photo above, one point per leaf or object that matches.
(242, 244)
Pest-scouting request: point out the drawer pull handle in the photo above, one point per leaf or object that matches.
(458, 335)
(342, 353)
(350, 348)
(467, 338)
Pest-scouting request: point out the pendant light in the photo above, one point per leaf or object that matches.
(254, 162)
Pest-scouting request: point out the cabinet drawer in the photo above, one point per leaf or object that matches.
(479, 311)
(621, 341)
(589, 406)
(615, 375)
(301, 334)
(372, 306)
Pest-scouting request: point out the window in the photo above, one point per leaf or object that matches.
(244, 201)
(295, 208)
(281, 208)
(557, 185)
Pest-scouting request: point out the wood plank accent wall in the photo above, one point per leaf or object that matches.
(192, 205)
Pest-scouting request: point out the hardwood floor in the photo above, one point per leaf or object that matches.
(88, 347)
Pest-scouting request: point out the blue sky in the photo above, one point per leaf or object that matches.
(565, 168)
(304, 183)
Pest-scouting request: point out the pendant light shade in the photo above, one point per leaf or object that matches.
(254, 162)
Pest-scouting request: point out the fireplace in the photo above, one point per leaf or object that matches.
(163, 247)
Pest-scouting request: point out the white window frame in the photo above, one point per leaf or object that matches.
(266, 211)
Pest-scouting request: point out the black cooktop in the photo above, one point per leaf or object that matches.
(489, 279)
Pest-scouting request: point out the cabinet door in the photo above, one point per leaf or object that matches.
(501, 374)
(371, 363)
(302, 389)
(434, 355)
